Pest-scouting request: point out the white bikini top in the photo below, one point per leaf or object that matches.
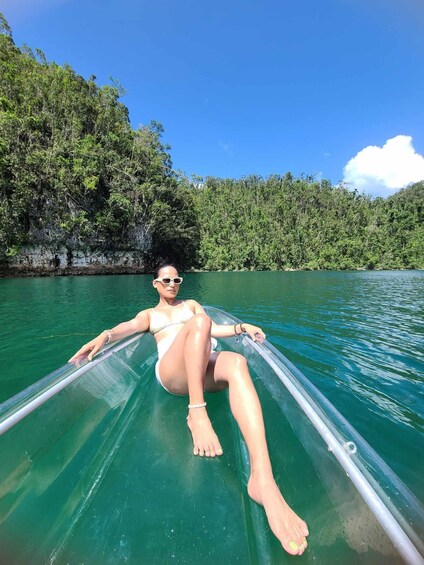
(159, 322)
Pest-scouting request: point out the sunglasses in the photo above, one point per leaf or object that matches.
(168, 280)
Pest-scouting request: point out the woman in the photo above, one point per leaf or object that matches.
(188, 365)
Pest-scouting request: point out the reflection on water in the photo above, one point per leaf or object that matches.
(357, 335)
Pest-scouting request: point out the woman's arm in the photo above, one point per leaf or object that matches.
(224, 330)
(138, 324)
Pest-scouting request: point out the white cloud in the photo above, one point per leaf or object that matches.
(381, 171)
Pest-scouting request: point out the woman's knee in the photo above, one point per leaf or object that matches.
(232, 368)
(201, 322)
(239, 364)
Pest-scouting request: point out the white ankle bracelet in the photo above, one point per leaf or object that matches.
(190, 406)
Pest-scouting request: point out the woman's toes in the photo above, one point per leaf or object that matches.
(217, 449)
(292, 548)
(303, 547)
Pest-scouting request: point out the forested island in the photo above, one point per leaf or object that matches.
(84, 192)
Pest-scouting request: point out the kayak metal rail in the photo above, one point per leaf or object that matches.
(343, 452)
(36, 395)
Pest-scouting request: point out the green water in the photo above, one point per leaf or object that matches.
(358, 336)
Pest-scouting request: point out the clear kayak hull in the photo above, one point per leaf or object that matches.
(97, 467)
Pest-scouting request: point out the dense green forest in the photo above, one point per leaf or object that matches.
(284, 222)
(74, 174)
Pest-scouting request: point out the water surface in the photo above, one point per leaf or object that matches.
(358, 336)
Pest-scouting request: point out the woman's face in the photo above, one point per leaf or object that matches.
(167, 289)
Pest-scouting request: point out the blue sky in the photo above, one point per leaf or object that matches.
(255, 87)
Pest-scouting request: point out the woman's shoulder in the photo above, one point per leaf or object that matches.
(193, 304)
(145, 310)
(141, 322)
(146, 313)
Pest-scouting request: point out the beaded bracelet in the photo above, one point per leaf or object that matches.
(190, 406)
(109, 336)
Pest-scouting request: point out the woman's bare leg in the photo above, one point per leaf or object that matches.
(183, 370)
(232, 368)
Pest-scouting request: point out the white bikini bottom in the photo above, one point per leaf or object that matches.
(163, 347)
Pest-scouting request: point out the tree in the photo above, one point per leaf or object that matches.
(74, 173)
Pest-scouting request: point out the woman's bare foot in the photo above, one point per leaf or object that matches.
(205, 440)
(285, 524)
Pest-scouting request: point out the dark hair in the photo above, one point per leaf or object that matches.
(162, 266)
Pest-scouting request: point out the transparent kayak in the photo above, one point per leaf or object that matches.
(97, 468)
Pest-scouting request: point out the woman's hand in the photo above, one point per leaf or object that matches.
(89, 349)
(255, 333)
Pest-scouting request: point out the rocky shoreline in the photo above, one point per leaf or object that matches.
(45, 262)
(7, 272)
